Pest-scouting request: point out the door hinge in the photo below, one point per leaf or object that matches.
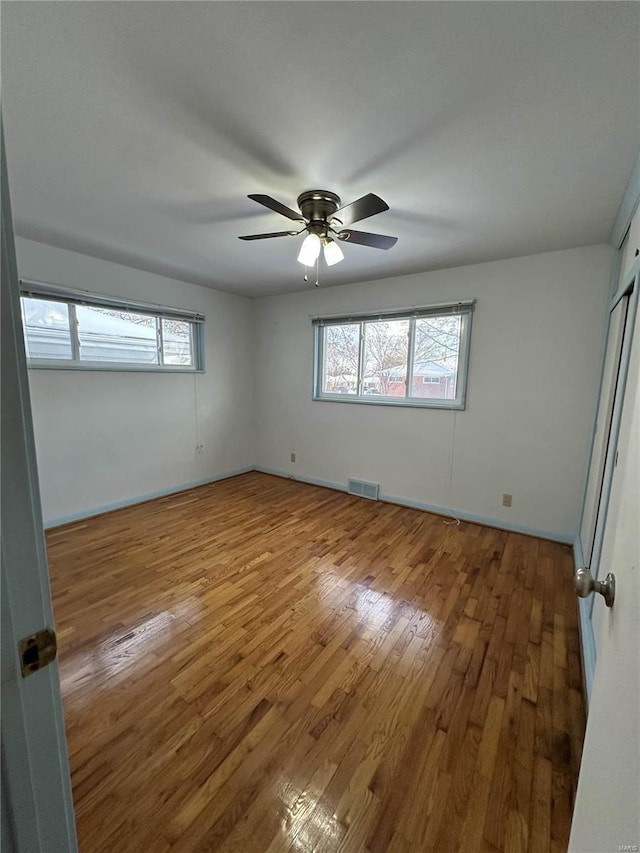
(37, 651)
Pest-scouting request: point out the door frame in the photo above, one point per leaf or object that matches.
(37, 813)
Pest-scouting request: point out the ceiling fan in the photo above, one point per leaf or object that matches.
(325, 222)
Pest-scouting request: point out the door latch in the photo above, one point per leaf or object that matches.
(37, 651)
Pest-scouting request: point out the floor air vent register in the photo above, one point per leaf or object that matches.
(363, 489)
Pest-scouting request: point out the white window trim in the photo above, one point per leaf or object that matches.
(45, 290)
(463, 309)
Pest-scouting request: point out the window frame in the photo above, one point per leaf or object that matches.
(75, 298)
(463, 309)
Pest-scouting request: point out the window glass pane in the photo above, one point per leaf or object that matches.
(176, 342)
(386, 347)
(341, 354)
(46, 328)
(107, 334)
(435, 360)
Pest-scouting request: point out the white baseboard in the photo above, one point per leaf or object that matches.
(564, 538)
(138, 499)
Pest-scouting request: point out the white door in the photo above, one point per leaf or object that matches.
(595, 520)
(607, 810)
(37, 807)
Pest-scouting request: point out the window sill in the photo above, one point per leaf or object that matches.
(447, 405)
(42, 364)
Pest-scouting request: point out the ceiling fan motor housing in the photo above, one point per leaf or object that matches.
(317, 207)
(323, 217)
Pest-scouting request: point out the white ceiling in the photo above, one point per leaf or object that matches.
(135, 131)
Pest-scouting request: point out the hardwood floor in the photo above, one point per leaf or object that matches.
(261, 665)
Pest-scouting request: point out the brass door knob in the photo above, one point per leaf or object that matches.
(585, 584)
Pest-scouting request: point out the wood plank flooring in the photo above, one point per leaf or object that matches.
(259, 665)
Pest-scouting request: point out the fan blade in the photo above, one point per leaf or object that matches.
(364, 238)
(361, 208)
(272, 234)
(272, 204)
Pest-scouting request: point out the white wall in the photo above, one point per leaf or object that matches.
(107, 437)
(536, 349)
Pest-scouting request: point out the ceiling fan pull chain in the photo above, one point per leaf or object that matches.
(318, 271)
(306, 277)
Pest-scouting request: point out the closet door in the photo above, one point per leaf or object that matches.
(594, 503)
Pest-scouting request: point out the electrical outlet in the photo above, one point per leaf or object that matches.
(293, 457)
(506, 500)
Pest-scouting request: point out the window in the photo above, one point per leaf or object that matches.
(47, 329)
(416, 357)
(69, 329)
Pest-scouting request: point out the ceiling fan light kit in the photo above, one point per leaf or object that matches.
(325, 222)
(309, 250)
(333, 254)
